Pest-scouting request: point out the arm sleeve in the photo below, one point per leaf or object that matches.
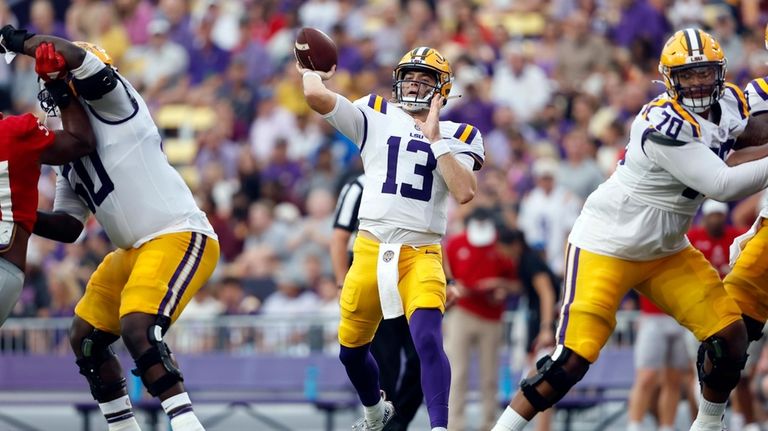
(757, 96)
(349, 120)
(102, 89)
(467, 146)
(345, 216)
(699, 168)
(66, 200)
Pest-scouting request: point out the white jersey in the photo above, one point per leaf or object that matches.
(674, 160)
(127, 183)
(405, 196)
(757, 100)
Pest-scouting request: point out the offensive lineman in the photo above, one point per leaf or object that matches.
(631, 234)
(24, 144)
(412, 161)
(166, 247)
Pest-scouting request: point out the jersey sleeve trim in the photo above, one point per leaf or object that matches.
(478, 160)
(761, 88)
(662, 103)
(465, 133)
(365, 130)
(741, 100)
(377, 103)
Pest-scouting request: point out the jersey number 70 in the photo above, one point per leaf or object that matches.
(425, 171)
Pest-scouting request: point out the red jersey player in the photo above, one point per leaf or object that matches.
(24, 144)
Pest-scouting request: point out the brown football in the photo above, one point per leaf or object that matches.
(315, 50)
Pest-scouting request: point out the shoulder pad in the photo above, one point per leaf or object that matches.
(733, 93)
(669, 118)
(756, 93)
(373, 102)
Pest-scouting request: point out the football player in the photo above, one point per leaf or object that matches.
(747, 283)
(631, 234)
(412, 162)
(166, 247)
(24, 144)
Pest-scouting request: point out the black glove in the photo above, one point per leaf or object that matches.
(13, 39)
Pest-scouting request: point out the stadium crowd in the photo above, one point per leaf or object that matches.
(551, 85)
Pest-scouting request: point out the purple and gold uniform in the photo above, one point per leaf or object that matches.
(167, 249)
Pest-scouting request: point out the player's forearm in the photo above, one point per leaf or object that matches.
(73, 54)
(57, 226)
(461, 181)
(75, 141)
(747, 155)
(756, 133)
(546, 292)
(318, 96)
(339, 254)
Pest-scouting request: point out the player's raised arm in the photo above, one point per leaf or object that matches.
(318, 96)
(76, 139)
(460, 180)
(23, 42)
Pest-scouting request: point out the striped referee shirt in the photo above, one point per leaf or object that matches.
(348, 206)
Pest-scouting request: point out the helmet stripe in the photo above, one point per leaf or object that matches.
(699, 42)
(692, 40)
(423, 51)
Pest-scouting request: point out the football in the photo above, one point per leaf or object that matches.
(315, 50)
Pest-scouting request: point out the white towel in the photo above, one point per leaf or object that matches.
(388, 277)
(741, 241)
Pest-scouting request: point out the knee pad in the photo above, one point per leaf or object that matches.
(96, 348)
(159, 353)
(754, 328)
(551, 371)
(725, 372)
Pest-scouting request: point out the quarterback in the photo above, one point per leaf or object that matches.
(166, 247)
(412, 162)
(631, 234)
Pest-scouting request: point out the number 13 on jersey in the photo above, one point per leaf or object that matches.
(408, 190)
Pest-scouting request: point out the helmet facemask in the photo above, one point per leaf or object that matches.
(413, 94)
(708, 83)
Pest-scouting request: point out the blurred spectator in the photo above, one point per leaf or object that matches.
(101, 26)
(320, 14)
(282, 172)
(713, 236)
(210, 60)
(176, 12)
(473, 107)
(642, 22)
(136, 16)
(156, 66)
(273, 123)
(313, 233)
(233, 298)
(579, 173)
(519, 83)
(42, 19)
(264, 230)
(484, 277)
(240, 94)
(724, 31)
(547, 215)
(579, 52)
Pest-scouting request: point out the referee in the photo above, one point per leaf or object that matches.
(393, 338)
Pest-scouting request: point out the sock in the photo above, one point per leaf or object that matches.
(510, 420)
(440, 429)
(363, 372)
(667, 428)
(634, 426)
(709, 412)
(426, 331)
(119, 414)
(179, 410)
(737, 422)
(374, 413)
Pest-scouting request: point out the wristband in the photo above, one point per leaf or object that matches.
(440, 148)
(311, 73)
